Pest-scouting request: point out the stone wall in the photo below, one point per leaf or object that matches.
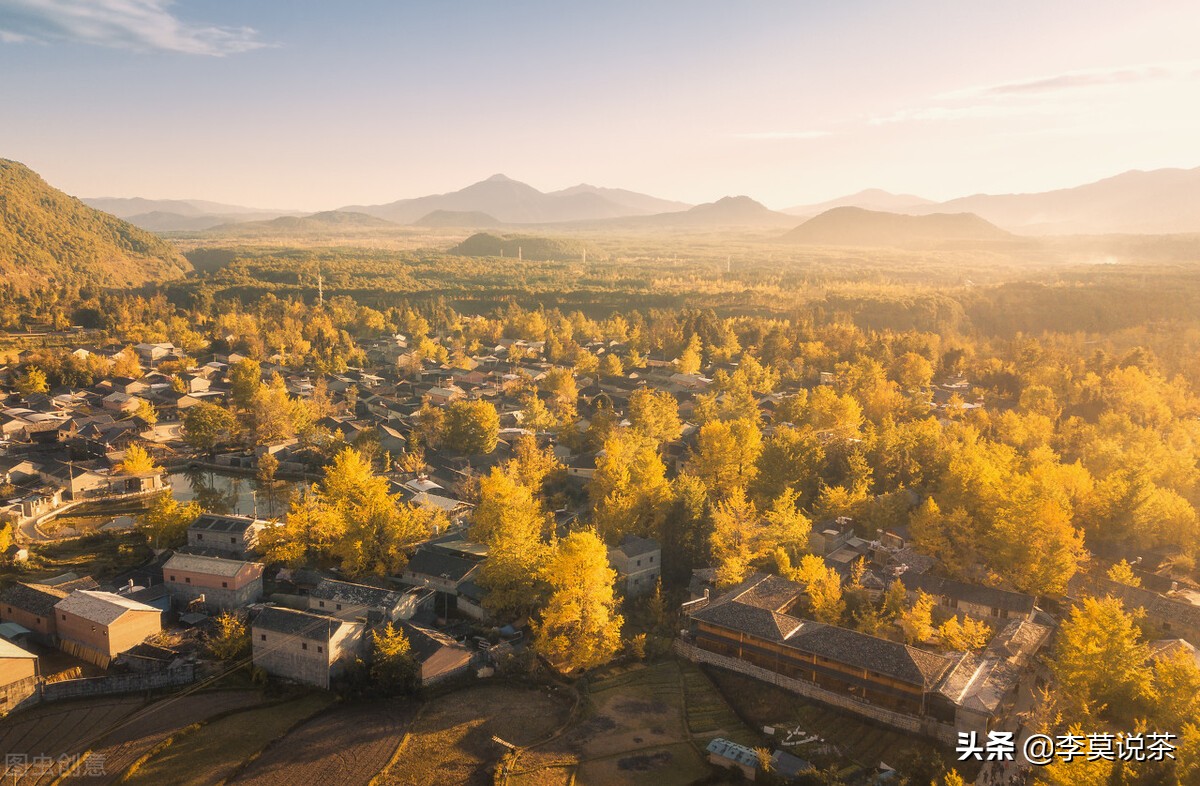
(183, 674)
(896, 720)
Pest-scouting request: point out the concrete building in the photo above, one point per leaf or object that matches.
(638, 563)
(223, 583)
(353, 602)
(32, 605)
(98, 626)
(224, 535)
(303, 646)
(726, 754)
(18, 676)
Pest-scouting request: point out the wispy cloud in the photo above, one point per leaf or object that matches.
(778, 135)
(1084, 78)
(137, 25)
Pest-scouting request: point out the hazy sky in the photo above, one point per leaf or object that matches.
(307, 104)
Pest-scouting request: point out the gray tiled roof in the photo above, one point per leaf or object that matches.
(215, 522)
(361, 594)
(103, 608)
(971, 593)
(305, 624)
(763, 623)
(36, 599)
(212, 566)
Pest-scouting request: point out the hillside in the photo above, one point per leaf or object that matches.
(511, 202)
(854, 226)
(47, 236)
(327, 222)
(1156, 202)
(532, 247)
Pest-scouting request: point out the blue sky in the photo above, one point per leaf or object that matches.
(305, 104)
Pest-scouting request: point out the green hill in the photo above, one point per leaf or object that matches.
(533, 247)
(47, 237)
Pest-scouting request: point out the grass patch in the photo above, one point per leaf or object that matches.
(209, 753)
(101, 556)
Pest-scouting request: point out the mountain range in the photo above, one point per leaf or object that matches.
(854, 226)
(1136, 202)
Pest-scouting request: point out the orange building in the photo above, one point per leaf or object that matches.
(97, 626)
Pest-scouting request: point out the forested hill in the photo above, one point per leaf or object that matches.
(532, 247)
(47, 236)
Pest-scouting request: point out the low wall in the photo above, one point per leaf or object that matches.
(808, 690)
(183, 674)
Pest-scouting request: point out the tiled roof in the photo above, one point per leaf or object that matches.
(971, 593)
(763, 623)
(212, 566)
(361, 594)
(214, 522)
(305, 624)
(38, 599)
(905, 663)
(431, 562)
(103, 608)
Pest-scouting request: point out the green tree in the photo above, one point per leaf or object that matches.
(205, 425)
(472, 427)
(580, 628)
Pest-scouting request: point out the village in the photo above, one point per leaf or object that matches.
(960, 657)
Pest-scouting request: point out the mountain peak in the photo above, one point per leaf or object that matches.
(499, 178)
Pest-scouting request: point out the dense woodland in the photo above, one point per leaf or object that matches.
(1077, 451)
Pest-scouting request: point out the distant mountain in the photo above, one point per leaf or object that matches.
(870, 199)
(176, 215)
(317, 223)
(457, 218)
(854, 226)
(532, 247)
(727, 212)
(635, 202)
(510, 202)
(48, 237)
(1157, 202)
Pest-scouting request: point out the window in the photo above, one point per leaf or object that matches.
(339, 607)
(652, 560)
(639, 563)
(172, 578)
(187, 579)
(225, 584)
(233, 540)
(320, 648)
(262, 637)
(322, 603)
(304, 645)
(199, 536)
(64, 616)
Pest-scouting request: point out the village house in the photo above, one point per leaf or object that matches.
(305, 647)
(353, 602)
(974, 600)
(18, 676)
(222, 583)
(225, 535)
(638, 563)
(98, 626)
(31, 605)
(441, 657)
(727, 755)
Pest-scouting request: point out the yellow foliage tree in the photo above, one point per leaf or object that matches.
(580, 627)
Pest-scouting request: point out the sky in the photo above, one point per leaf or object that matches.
(306, 104)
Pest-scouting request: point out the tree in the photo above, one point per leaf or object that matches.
(310, 530)
(1099, 660)
(431, 425)
(655, 415)
(472, 427)
(230, 640)
(137, 461)
(689, 360)
(245, 378)
(530, 464)
(970, 634)
(380, 531)
(166, 522)
(1122, 573)
(510, 521)
(725, 455)
(917, 620)
(147, 412)
(125, 364)
(629, 488)
(895, 600)
(205, 425)
(823, 586)
(32, 381)
(272, 413)
(580, 628)
(733, 548)
(394, 668)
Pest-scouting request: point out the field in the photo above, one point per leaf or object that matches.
(643, 726)
(451, 740)
(54, 730)
(213, 751)
(347, 744)
(100, 556)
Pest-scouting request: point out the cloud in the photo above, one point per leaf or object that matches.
(137, 25)
(1074, 80)
(777, 135)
